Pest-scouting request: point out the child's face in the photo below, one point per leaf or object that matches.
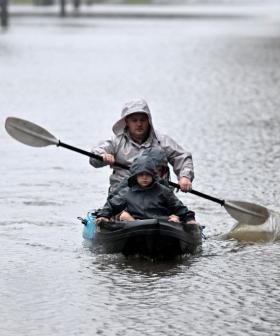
(144, 179)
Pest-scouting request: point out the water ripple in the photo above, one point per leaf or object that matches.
(213, 86)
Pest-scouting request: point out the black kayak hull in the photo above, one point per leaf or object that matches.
(152, 238)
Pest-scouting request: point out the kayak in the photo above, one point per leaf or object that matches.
(156, 239)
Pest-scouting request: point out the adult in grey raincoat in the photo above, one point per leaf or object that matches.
(134, 133)
(153, 201)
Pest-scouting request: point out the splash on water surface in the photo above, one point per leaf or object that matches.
(266, 232)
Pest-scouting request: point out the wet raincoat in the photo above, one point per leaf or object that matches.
(125, 149)
(153, 201)
(157, 155)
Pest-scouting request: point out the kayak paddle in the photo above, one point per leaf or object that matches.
(33, 135)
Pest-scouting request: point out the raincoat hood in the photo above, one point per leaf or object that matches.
(157, 155)
(134, 106)
(142, 164)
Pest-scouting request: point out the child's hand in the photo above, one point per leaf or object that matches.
(193, 221)
(101, 219)
(174, 218)
(126, 216)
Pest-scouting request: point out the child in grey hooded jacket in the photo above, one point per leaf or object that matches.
(145, 197)
(159, 158)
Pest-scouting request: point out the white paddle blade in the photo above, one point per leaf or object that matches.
(245, 212)
(28, 133)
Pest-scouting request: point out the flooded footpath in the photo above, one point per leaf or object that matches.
(212, 85)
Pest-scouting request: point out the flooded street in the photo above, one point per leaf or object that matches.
(212, 85)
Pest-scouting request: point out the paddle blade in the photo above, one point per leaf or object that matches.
(245, 212)
(28, 133)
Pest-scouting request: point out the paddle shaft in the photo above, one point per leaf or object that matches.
(120, 165)
(200, 194)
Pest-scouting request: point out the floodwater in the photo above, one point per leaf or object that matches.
(213, 85)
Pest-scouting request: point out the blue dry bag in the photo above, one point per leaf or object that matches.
(89, 227)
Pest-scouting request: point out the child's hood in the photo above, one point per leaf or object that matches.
(142, 164)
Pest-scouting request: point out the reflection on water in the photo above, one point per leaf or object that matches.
(213, 86)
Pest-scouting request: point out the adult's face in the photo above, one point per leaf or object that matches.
(138, 126)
